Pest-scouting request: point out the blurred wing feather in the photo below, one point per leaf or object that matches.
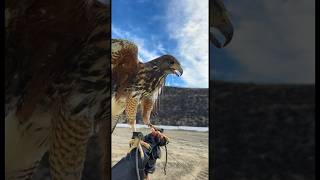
(39, 48)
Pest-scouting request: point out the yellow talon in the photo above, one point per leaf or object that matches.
(136, 143)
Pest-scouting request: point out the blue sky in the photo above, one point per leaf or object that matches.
(176, 27)
(274, 42)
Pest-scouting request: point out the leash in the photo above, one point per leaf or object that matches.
(167, 141)
(136, 142)
(137, 164)
(165, 164)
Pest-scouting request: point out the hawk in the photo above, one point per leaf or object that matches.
(57, 89)
(57, 86)
(134, 82)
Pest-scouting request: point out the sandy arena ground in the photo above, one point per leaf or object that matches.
(187, 153)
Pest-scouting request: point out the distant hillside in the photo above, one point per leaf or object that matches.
(182, 107)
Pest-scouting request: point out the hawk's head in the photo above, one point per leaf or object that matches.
(219, 20)
(168, 64)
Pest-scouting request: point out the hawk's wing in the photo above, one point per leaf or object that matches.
(124, 64)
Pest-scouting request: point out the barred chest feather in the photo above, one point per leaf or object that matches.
(148, 81)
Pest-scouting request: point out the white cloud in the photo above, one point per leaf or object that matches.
(274, 40)
(188, 25)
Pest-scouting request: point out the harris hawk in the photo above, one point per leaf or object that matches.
(134, 82)
(43, 39)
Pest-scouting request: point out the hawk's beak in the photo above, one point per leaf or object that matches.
(177, 71)
(226, 31)
(219, 20)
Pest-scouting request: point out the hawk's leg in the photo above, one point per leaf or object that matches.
(131, 112)
(147, 106)
(68, 147)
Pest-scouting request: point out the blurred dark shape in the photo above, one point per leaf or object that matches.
(220, 20)
(262, 131)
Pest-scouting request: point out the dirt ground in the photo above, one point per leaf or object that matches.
(187, 153)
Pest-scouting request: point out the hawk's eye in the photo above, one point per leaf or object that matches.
(171, 62)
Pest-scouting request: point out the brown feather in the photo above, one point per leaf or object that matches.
(40, 38)
(142, 81)
(125, 65)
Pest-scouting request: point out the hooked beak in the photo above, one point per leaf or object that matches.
(177, 71)
(226, 31)
(219, 19)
